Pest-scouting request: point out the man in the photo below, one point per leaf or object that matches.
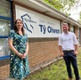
(68, 47)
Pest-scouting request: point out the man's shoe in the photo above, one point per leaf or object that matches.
(70, 79)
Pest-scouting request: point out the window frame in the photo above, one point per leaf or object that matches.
(11, 22)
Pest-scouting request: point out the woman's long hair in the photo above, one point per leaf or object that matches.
(15, 27)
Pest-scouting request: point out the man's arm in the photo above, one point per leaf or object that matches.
(60, 46)
(61, 51)
(76, 49)
(75, 44)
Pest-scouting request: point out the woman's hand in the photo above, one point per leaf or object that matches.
(24, 55)
(20, 55)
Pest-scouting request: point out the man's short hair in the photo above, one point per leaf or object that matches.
(66, 23)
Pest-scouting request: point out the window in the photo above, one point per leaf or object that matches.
(5, 8)
(4, 50)
(5, 26)
(72, 28)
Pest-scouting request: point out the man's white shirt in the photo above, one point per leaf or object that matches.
(67, 41)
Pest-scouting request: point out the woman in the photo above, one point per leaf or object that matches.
(18, 44)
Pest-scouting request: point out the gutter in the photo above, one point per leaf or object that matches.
(54, 11)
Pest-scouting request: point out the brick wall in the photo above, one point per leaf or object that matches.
(4, 69)
(76, 31)
(42, 50)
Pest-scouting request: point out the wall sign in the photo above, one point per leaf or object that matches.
(37, 25)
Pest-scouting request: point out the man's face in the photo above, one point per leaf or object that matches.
(65, 27)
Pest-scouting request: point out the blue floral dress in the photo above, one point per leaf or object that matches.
(19, 68)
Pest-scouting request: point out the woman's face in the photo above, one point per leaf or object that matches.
(19, 24)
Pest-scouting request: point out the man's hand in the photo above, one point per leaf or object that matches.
(62, 53)
(76, 52)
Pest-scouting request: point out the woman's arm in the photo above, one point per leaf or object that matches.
(27, 49)
(10, 43)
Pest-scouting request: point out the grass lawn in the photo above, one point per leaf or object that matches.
(55, 71)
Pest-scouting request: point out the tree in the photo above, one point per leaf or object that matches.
(54, 3)
(79, 18)
(63, 5)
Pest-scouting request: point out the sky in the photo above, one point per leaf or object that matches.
(75, 11)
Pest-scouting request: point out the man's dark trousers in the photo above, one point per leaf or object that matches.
(70, 58)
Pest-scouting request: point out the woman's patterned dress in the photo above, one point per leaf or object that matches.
(19, 68)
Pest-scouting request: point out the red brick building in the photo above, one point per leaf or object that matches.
(44, 28)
